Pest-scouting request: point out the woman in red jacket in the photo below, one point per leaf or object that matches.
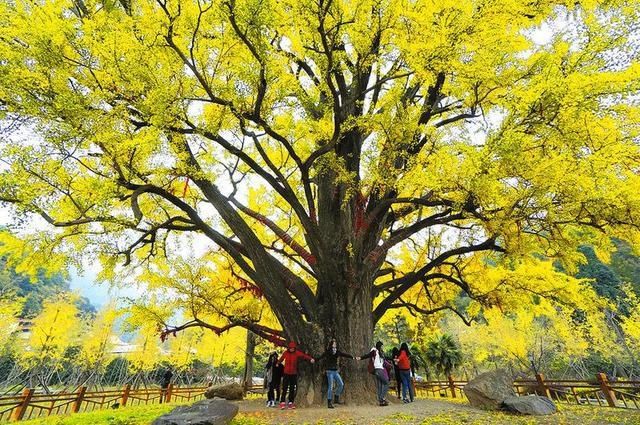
(290, 377)
(406, 368)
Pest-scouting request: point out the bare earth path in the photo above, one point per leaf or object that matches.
(426, 411)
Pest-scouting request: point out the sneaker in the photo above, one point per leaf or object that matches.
(384, 403)
(282, 406)
(292, 406)
(405, 401)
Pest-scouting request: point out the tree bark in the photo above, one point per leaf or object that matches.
(345, 314)
(247, 380)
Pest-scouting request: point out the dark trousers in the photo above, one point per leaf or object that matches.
(274, 390)
(290, 385)
(396, 377)
(382, 384)
(164, 391)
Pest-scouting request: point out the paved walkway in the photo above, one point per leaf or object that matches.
(427, 411)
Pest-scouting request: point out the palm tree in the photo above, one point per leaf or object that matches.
(444, 354)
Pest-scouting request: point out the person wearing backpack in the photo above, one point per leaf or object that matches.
(379, 367)
(331, 355)
(273, 377)
(406, 368)
(290, 377)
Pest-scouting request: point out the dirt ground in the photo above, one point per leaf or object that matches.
(426, 411)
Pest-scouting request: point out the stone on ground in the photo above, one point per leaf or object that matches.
(231, 391)
(530, 405)
(204, 412)
(490, 389)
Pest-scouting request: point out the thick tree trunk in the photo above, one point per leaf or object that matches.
(345, 316)
(344, 300)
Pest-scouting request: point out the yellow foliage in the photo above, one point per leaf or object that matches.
(96, 341)
(226, 348)
(9, 310)
(32, 254)
(54, 330)
(148, 353)
(631, 322)
(446, 117)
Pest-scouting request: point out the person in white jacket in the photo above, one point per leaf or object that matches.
(377, 367)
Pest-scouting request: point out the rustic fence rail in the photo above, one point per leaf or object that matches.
(30, 404)
(599, 392)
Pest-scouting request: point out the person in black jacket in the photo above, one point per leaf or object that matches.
(396, 372)
(331, 355)
(166, 381)
(273, 377)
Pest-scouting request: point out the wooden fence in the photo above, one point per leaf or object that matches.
(30, 405)
(599, 392)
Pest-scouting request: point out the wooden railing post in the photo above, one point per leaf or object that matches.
(169, 392)
(125, 394)
(542, 387)
(609, 394)
(452, 386)
(78, 402)
(18, 414)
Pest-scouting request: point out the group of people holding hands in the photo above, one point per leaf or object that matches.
(281, 376)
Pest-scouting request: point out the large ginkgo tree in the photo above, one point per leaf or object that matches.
(342, 158)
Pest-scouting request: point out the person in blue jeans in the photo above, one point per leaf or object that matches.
(406, 370)
(380, 368)
(331, 355)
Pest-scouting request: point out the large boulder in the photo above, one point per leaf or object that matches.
(231, 391)
(530, 405)
(204, 412)
(490, 389)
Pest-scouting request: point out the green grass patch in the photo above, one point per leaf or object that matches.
(133, 415)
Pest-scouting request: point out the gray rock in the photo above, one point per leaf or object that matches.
(231, 391)
(490, 389)
(204, 412)
(530, 405)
